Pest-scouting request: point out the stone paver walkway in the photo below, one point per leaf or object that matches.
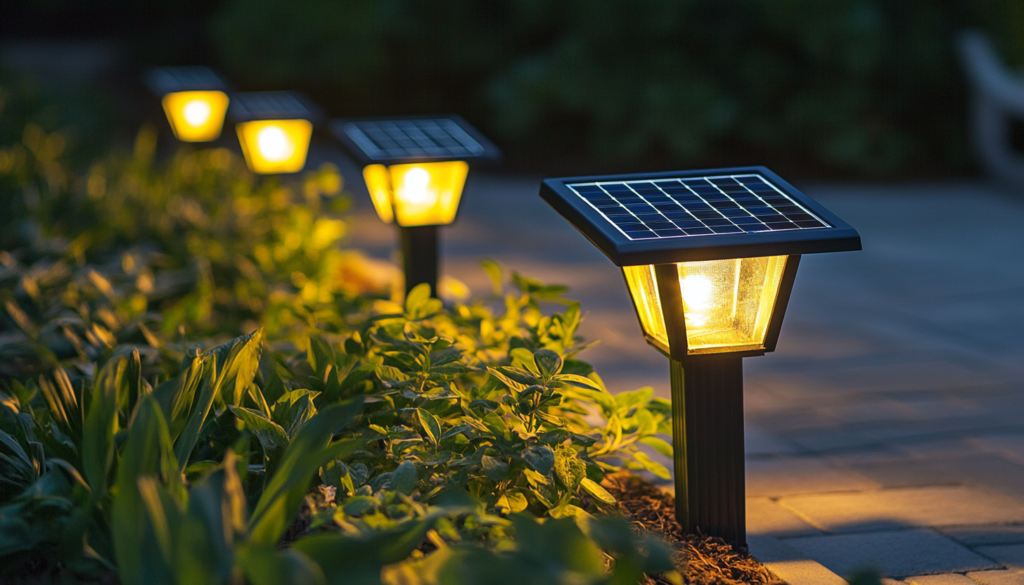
(887, 430)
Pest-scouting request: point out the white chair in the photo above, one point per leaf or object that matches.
(998, 94)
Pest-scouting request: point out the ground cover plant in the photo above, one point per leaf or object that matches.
(199, 385)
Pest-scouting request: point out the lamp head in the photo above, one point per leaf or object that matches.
(709, 257)
(194, 99)
(415, 168)
(274, 129)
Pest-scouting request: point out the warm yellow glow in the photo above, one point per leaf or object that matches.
(643, 287)
(728, 303)
(417, 194)
(275, 146)
(379, 186)
(196, 116)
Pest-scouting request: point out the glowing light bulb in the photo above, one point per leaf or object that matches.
(197, 113)
(697, 291)
(414, 188)
(274, 144)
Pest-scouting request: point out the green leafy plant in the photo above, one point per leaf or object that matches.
(357, 438)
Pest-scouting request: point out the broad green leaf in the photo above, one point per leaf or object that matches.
(524, 377)
(293, 409)
(161, 512)
(308, 451)
(176, 396)
(358, 560)
(445, 356)
(237, 362)
(211, 526)
(356, 378)
(356, 505)
(263, 564)
(494, 468)
(652, 465)
(403, 479)
(548, 363)
(633, 398)
(101, 422)
(658, 444)
(147, 453)
(321, 354)
(540, 457)
(430, 425)
(594, 489)
(522, 358)
(558, 541)
(569, 469)
(202, 373)
(517, 502)
(270, 434)
(417, 297)
(578, 381)
(512, 385)
(535, 478)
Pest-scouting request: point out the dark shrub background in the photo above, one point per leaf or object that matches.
(842, 88)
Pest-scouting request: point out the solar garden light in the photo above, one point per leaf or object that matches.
(709, 258)
(274, 129)
(415, 169)
(194, 100)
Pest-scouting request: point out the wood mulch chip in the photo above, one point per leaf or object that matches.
(701, 560)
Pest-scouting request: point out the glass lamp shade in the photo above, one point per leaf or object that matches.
(417, 194)
(275, 146)
(726, 305)
(196, 116)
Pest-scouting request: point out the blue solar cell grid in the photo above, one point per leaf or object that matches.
(696, 206)
(413, 138)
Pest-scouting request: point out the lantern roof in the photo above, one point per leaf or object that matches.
(272, 105)
(683, 216)
(165, 80)
(414, 139)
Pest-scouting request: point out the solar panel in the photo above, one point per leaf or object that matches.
(164, 80)
(408, 139)
(687, 216)
(696, 206)
(271, 105)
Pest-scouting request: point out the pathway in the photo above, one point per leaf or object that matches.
(887, 430)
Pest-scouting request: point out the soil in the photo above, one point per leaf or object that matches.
(701, 560)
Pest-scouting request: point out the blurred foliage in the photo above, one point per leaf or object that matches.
(210, 245)
(351, 436)
(852, 86)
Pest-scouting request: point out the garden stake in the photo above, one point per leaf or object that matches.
(415, 170)
(709, 258)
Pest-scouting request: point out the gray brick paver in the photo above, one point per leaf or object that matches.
(1011, 555)
(904, 508)
(896, 553)
(997, 577)
(949, 579)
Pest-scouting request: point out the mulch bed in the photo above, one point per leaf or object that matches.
(701, 560)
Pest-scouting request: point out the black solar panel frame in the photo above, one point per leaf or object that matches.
(165, 80)
(626, 252)
(291, 105)
(490, 152)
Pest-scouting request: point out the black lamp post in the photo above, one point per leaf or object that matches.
(709, 258)
(415, 169)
